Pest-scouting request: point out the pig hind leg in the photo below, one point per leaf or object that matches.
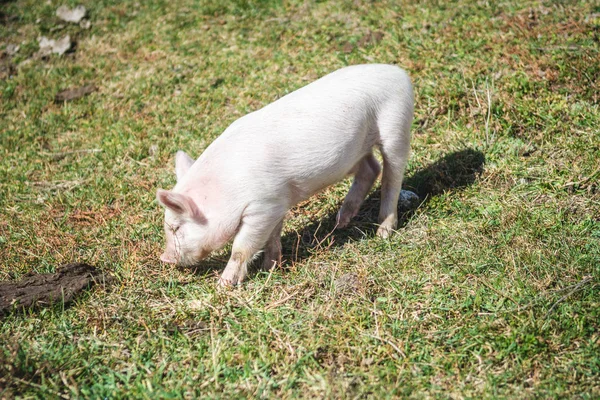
(367, 171)
(272, 255)
(252, 236)
(394, 130)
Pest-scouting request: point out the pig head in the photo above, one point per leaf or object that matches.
(189, 238)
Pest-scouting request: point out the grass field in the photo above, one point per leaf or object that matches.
(490, 289)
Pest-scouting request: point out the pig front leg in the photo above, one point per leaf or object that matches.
(252, 236)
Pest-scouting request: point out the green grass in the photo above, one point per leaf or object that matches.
(490, 289)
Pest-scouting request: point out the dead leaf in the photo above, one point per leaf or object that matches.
(50, 46)
(11, 49)
(74, 15)
(370, 38)
(74, 93)
(347, 47)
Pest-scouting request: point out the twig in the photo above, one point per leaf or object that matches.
(319, 243)
(489, 114)
(539, 298)
(262, 287)
(476, 97)
(576, 288)
(584, 180)
(281, 301)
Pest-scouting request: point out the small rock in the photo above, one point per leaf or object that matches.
(85, 24)
(74, 15)
(50, 46)
(11, 49)
(408, 200)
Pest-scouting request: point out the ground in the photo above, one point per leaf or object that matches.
(490, 288)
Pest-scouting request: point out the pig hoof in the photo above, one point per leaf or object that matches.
(384, 231)
(271, 263)
(227, 283)
(343, 219)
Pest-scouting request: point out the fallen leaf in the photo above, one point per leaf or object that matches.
(347, 47)
(11, 49)
(370, 38)
(74, 93)
(49, 46)
(71, 15)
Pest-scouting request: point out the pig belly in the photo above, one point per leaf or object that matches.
(321, 156)
(315, 168)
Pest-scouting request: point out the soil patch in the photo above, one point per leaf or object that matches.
(74, 93)
(43, 290)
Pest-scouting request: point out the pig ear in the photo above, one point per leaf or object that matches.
(183, 162)
(180, 204)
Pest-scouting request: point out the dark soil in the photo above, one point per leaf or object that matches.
(74, 93)
(46, 289)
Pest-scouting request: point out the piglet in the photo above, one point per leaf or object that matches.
(266, 162)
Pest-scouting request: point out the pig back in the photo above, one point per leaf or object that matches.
(310, 138)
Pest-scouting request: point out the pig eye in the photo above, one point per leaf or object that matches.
(173, 228)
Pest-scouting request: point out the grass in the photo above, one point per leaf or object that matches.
(490, 289)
